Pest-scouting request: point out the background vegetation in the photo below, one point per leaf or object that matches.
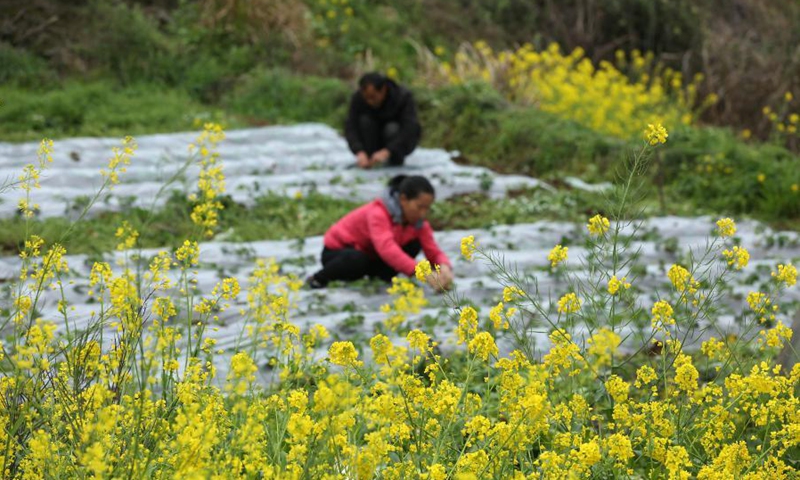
(135, 67)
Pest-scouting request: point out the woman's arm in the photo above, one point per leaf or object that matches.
(382, 238)
(433, 253)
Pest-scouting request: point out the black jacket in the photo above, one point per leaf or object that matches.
(397, 107)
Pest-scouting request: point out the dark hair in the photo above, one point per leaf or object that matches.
(373, 78)
(410, 186)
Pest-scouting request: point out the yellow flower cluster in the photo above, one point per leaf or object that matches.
(557, 255)
(569, 303)
(656, 134)
(344, 354)
(500, 316)
(598, 225)
(467, 324)
(786, 274)
(422, 270)
(468, 247)
(211, 182)
(483, 346)
(512, 293)
(127, 236)
(188, 254)
(418, 340)
(726, 227)
(602, 346)
(775, 337)
(761, 304)
(614, 284)
(683, 281)
(783, 118)
(407, 299)
(119, 162)
(612, 98)
(737, 257)
(29, 179)
(662, 315)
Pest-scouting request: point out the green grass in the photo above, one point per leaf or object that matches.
(275, 217)
(97, 108)
(275, 96)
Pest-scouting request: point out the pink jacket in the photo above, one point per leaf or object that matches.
(371, 229)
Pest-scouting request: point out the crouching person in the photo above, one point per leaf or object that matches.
(382, 238)
(382, 125)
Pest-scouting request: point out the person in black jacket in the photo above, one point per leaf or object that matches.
(382, 125)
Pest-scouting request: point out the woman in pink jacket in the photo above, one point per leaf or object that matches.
(383, 238)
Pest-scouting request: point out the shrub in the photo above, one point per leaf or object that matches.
(19, 67)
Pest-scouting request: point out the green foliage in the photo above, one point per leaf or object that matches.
(123, 41)
(719, 173)
(276, 96)
(476, 210)
(94, 109)
(475, 120)
(20, 67)
(271, 217)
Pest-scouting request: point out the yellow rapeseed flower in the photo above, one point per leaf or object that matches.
(682, 280)
(467, 324)
(677, 459)
(188, 254)
(422, 270)
(512, 293)
(483, 346)
(645, 375)
(786, 274)
(617, 388)
(656, 134)
(737, 257)
(468, 247)
(127, 234)
(569, 303)
(761, 304)
(662, 314)
(598, 225)
(619, 447)
(775, 337)
(614, 284)
(557, 255)
(381, 348)
(686, 374)
(343, 354)
(726, 227)
(418, 340)
(602, 346)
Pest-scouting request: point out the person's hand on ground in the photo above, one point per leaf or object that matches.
(362, 160)
(446, 276)
(381, 156)
(441, 280)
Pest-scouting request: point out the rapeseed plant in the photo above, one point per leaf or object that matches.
(135, 392)
(612, 98)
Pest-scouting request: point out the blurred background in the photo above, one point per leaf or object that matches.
(536, 87)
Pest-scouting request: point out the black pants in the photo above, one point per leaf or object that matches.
(375, 136)
(349, 264)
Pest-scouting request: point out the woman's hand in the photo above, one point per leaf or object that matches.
(442, 279)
